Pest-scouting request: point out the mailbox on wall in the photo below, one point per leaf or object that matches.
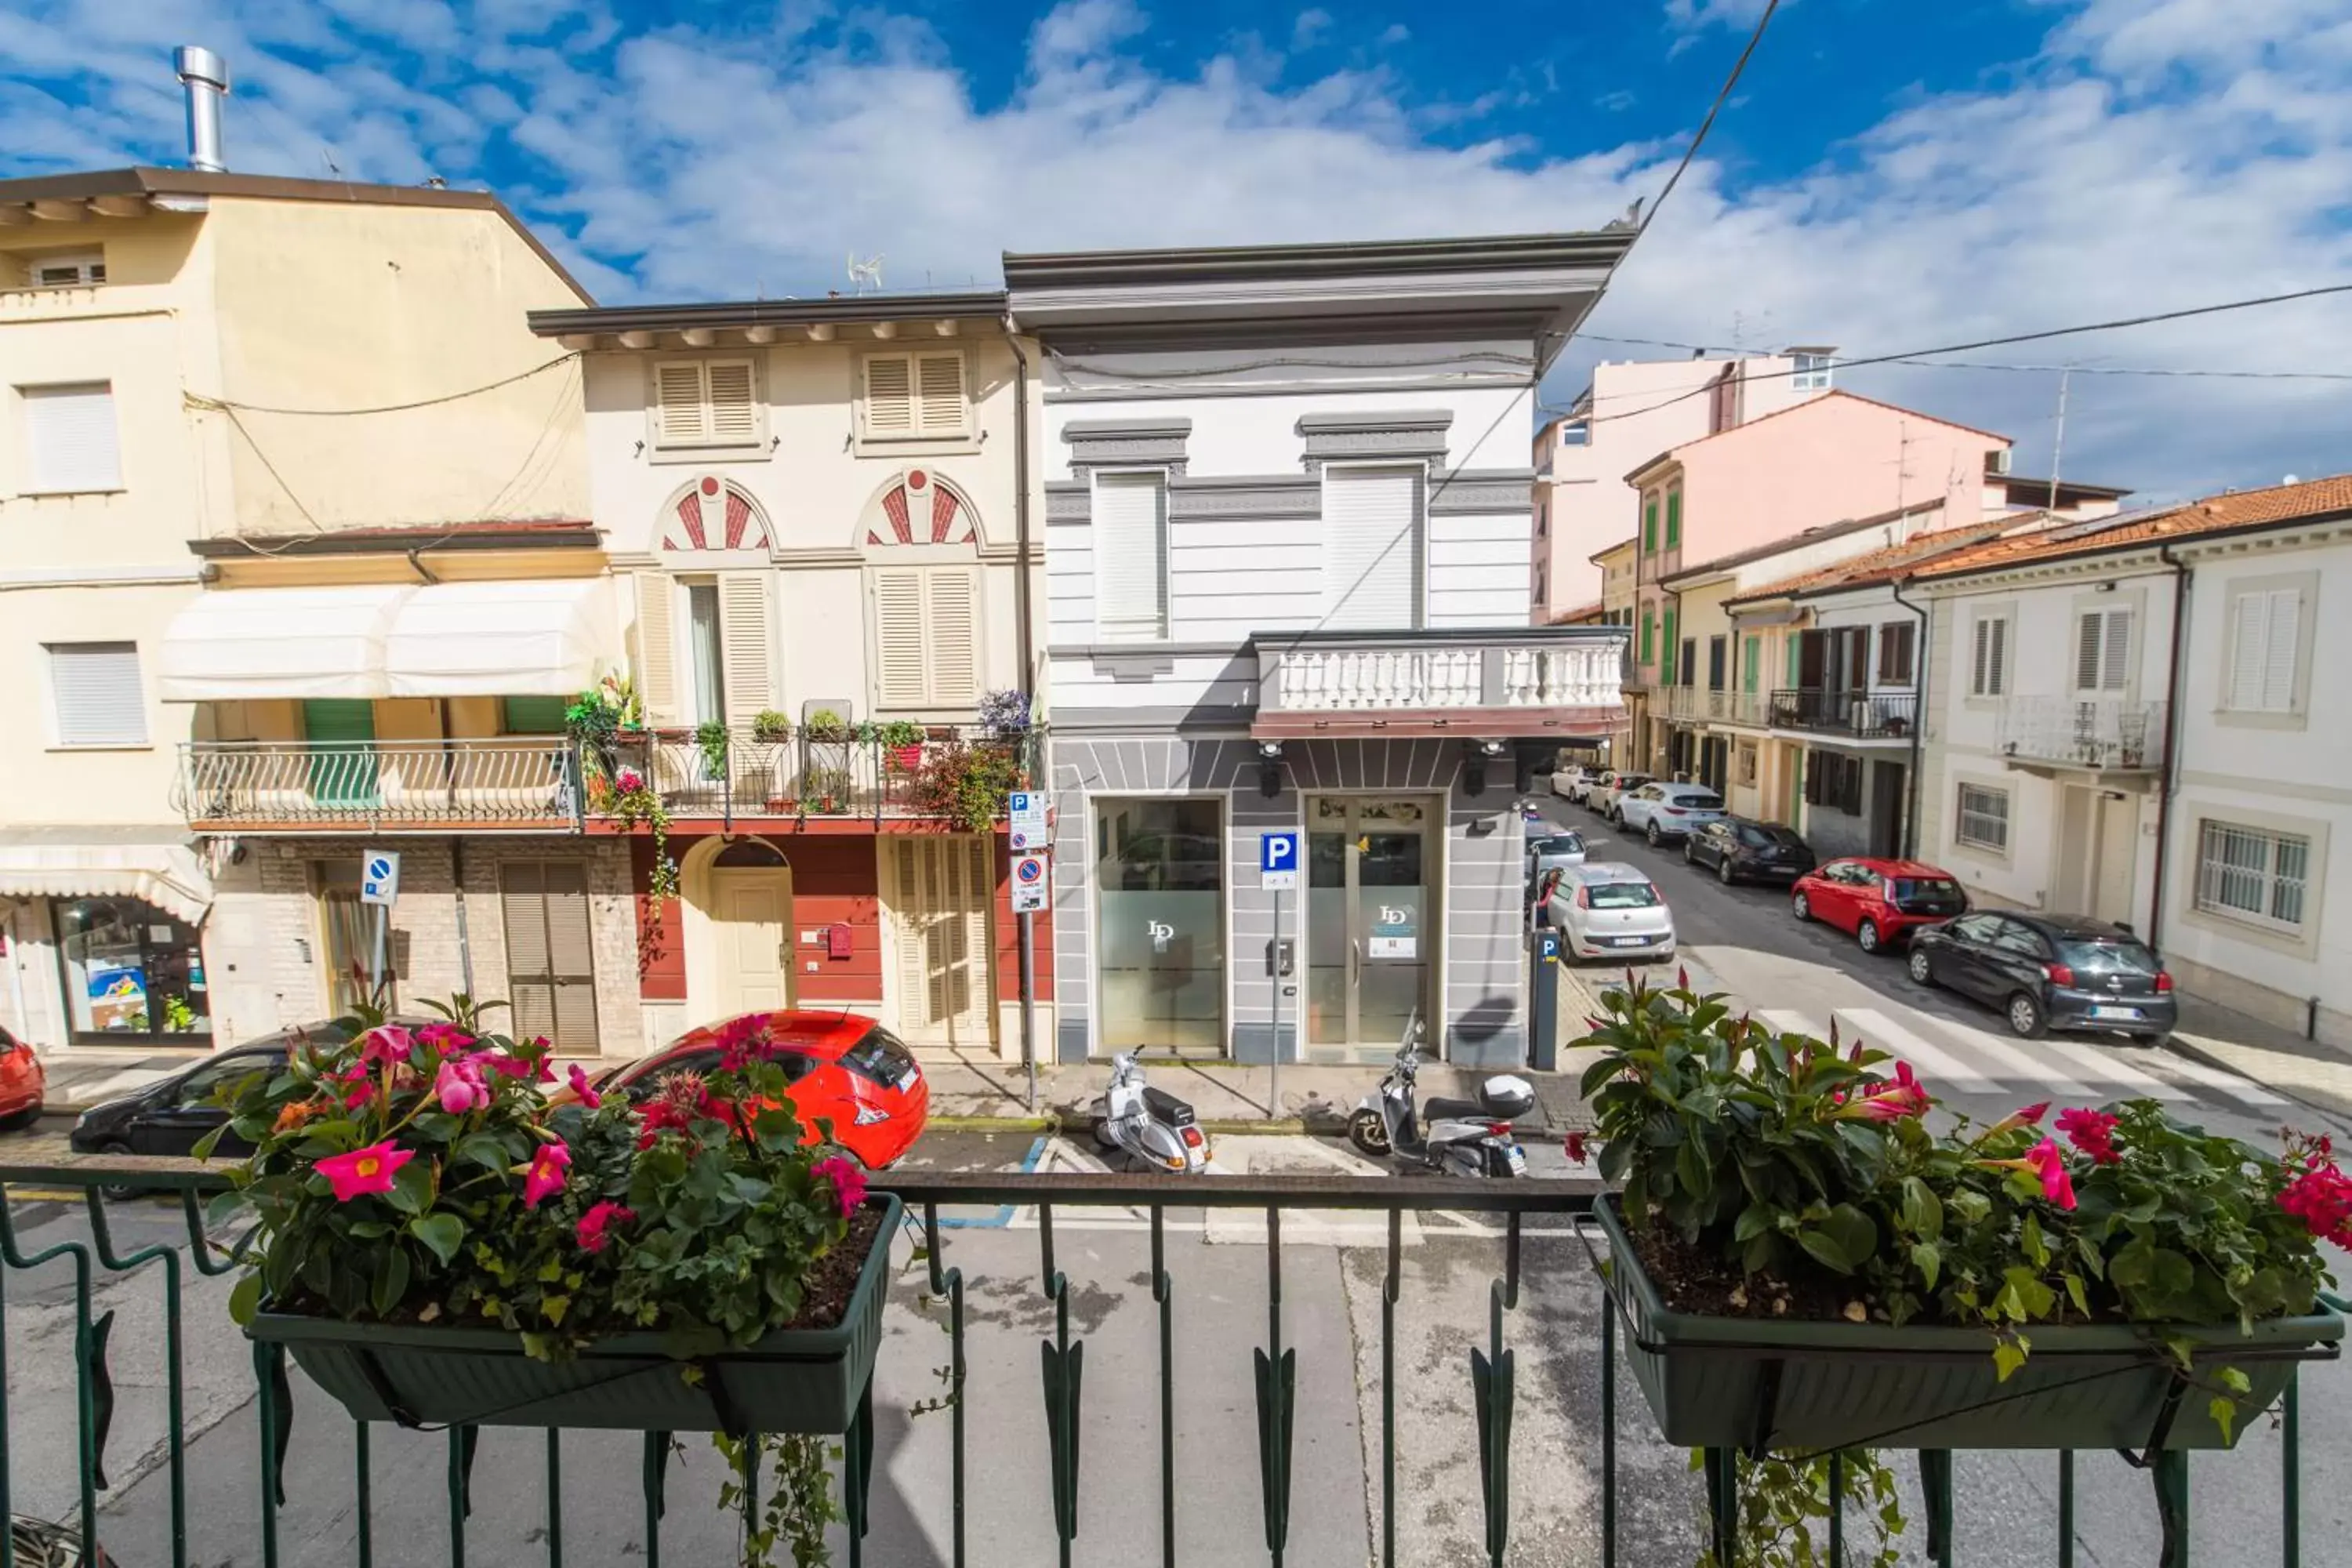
(838, 942)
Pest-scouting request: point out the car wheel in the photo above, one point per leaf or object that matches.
(1923, 969)
(1801, 907)
(118, 1191)
(1653, 834)
(17, 1120)
(2025, 1017)
(1688, 859)
(1369, 1132)
(1724, 873)
(1865, 936)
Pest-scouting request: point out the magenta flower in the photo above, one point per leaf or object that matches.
(500, 1063)
(2050, 1164)
(386, 1043)
(2029, 1117)
(2092, 1132)
(545, 1177)
(848, 1180)
(364, 1171)
(1886, 1101)
(593, 1224)
(444, 1038)
(584, 1091)
(1574, 1143)
(628, 781)
(459, 1088)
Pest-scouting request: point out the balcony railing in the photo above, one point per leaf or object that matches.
(1887, 715)
(800, 778)
(504, 781)
(189, 1450)
(1470, 674)
(2096, 732)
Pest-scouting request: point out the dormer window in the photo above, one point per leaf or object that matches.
(1811, 370)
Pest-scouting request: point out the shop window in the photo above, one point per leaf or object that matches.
(1160, 933)
(131, 972)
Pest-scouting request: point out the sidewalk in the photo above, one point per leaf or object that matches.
(2279, 1060)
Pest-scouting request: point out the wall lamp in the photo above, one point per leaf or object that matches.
(1269, 768)
(1476, 755)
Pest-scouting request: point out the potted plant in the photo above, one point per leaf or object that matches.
(902, 745)
(440, 1242)
(634, 801)
(710, 739)
(771, 727)
(967, 785)
(1803, 1264)
(825, 728)
(1004, 715)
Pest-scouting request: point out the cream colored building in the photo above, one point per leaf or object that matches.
(214, 387)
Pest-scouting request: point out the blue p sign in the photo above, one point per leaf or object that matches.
(1277, 860)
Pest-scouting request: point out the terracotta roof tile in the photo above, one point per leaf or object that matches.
(2215, 514)
(1881, 565)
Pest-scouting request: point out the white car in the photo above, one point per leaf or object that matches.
(1547, 851)
(1609, 910)
(1663, 811)
(1570, 782)
(1612, 788)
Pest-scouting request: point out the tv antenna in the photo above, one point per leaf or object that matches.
(862, 273)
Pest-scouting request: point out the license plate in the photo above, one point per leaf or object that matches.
(2114, 1013)
(1518, 1161)
(1630, 941)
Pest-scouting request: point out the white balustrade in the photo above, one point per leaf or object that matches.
(1419, 676)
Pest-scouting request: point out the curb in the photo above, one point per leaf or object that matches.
(2327, 1103)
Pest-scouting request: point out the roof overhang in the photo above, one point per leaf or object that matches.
(433, 539)
(855, 317)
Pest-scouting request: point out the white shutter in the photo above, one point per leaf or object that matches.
(1977, 666)
(889, 396)
(1373, 548)
(2102, 650)
(2117, 675)
(1131, 551)
(97, 695)
(953, 631)
(734, 414)
(657, 647)
(2281, 649)
(2087, 629)
(899, 649)
(744, 643)
(1992, 671)
(942, 407)
(69, 439)
(2265, 642)
(680, 409)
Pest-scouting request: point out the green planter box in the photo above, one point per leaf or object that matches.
(1739, 1383)
(793, 1381)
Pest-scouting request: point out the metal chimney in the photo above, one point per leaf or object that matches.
(204, 77)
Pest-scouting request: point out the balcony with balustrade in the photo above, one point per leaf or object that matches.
(1886, 717)
(2099, 735)
(851, 778)
(494, 783)
(1504, 682)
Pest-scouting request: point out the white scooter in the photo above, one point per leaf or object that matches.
(1147, 1125)
(1463, 1138)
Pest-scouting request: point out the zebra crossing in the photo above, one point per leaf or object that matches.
(1961, 1061)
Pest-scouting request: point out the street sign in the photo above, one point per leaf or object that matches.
(379, 877)
(1030, 882)
(1277, 860)
(1026, 809)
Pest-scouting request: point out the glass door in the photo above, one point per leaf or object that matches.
(1368, 934)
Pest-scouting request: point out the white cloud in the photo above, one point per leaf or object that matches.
(2155, 155)
(1310, 27)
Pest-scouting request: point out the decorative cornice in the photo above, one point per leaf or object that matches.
(1245, 496)
(1461, 491)
(1068, 501)
(1411, 433)
(1097, 442)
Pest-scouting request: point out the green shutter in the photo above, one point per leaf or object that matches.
(341, 735)
(1796, 659)
(1667, 677)
(1754, 655)
(1650, 529)
(1648, 645)
(1673, 519)
(531, 715)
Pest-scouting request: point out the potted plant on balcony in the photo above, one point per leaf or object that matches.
(771, 727)
(1805, 1266)
(634, 801)
(710, 739)
(439, 1243)
(967, 785)
(825, 728)
(902, 745)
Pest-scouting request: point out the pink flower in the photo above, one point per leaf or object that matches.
(364, 1171)
(545, 1177)
(2029, 1117)
(741, 1039)
(2092, 1132)
(584, 1091)
(2051, 1166)
(2321, 1196)
(848, 1180)
(628, 781)
(445, 1038)
(500, 1063)
(386, 1043)
(1574, 1143)
(1682, 978)
(1886, 1101)
(459, 1087)
(592, 1226)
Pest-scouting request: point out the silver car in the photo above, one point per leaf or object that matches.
(1550, 851)
(1608, 909)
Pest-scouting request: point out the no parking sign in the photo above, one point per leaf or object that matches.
(1029, 884)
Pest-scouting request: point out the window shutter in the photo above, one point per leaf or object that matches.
(98, 694)
(2281, 649)
(572, 958)
(1131, 551)
(941, 404)
(1372, 547)
(1754, 655)
(744, 642)
(889, 396)
(899, 638)
(953, 637)
(69, 439)
(2249, 656)
(2089, 638)
(657, 647)
(2116, 673)
(523, 897)
(734, 414)
(2102, 649)
(680, 407)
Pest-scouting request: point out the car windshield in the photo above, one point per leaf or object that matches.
(2111, 956)
(879, 1057)
(1929, 893)
(1621, 895)
(1559, 844)
(1699, 799)
(1759, 838)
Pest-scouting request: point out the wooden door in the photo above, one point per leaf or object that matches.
(750, 917)
(939, 888)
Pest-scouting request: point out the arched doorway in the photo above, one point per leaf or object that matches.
(738, 897)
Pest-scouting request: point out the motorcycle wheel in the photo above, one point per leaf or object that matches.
(1100, 1128)
(1368, 1133)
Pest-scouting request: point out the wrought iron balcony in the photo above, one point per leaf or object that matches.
(2108, 735)
(497, 782)
(1530, 681)
(1860, 715)
(827, 776)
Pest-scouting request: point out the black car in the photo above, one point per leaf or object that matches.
(169, 1116)
(1742, 849)
(2045, 971)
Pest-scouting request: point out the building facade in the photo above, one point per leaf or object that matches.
(1296, 603)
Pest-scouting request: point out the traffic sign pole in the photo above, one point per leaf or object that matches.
(1273, 1090)
(1277, 872)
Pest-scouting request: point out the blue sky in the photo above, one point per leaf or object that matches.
(1891, 174)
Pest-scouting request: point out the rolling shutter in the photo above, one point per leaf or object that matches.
(551, 953)
(2266, 640)
(954, 627)
(678, 408)
(744, 647)
(1372, 547)
(97, 692)
(942, 408)
(69, 439)
(899, 650)
(1131, 552)
(2102, 649)
(656, 648)
(889, 396)
(733, 416)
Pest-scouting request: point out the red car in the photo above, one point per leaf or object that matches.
(1881, 902)
(22, 1083)
(844, 1067)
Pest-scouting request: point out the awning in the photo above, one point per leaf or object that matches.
(233, 644)
(168, 876)
(534, 637)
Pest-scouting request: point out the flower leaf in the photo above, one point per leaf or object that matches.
(441, 1233)
(244, 1300)
(412, 1188)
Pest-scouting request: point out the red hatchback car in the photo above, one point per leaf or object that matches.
(844, 1067)
(1880, 903)
(22, 1083)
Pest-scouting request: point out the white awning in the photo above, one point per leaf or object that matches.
(232, 644)
(168, 876)
(536, 637)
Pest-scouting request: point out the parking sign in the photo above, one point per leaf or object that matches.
(379, 877)
(1029, 883)
(1277, 860)
(1025, 809)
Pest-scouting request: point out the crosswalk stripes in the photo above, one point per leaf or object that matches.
(2121, 1072)
(1940, 1065)
(2230, 1084)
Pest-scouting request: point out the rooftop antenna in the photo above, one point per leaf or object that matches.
(862, 273)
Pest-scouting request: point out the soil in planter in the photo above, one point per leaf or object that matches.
(1700, 1281)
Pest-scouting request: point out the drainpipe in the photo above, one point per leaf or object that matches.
(1028, 922)
(1918, 716)
(2173, 676)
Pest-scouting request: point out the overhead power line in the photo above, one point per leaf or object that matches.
(227, 403)
(1984, 365)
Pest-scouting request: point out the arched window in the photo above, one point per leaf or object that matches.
(920, 538)
(919, 508)
(710, 514)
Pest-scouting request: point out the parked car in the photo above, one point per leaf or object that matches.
(23, 1084)
(843, 1068)
(1664, 811)
(1550, 849)
(1566, 781)
(1880, 903)
(1609, 910)
(1736, 847)
(1613, 787)
(2045, 971)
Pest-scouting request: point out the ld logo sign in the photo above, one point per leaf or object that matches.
(1390, 915)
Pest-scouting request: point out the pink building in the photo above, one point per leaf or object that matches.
(1582, 503)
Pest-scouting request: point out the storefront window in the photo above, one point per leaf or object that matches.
(131, 972)
(1161, 932)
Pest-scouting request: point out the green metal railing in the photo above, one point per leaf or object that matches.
(1492, 1371)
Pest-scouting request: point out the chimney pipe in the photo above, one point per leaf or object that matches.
(204, 77)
